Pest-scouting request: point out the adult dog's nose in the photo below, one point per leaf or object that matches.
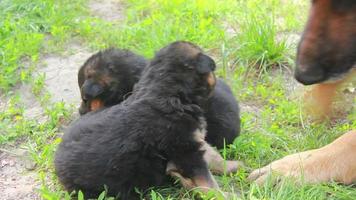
(310, 75)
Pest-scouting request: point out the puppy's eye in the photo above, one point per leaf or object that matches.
(111, 67)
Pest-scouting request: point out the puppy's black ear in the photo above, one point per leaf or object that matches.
(177, 106)
(90, 89)
(173, 104)
(205, 64)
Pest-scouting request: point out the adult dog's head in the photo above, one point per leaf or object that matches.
(327, 49)
(180, 70)
(107, 77)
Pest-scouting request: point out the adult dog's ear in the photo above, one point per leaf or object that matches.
(205, 64)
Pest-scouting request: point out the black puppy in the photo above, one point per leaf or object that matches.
(222, 114)
(122, 70)
(107, 77)
(159, 129)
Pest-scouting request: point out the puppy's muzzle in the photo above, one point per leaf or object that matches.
(202, 180)
(91, 89)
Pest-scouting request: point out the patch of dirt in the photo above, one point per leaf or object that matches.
(292, 86)
(246, 107)
(17, 178)
(108, 10)
(61, 73)
(291, 39)
(17, 181)
(33, 108)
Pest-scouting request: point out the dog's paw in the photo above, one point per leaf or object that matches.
(333, 162)
(296, 166)
(233, 166)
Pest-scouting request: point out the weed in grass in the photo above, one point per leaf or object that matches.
(258, 41)
(13, 124)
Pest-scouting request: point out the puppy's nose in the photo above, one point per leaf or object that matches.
(83, 109)
(91, 89)
(310, 75)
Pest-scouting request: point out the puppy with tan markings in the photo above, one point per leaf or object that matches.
(158, 130)
(108, 77)
(326, 53)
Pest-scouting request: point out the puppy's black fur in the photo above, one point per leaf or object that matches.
(128, 145)
(108, 76)
(222, 114)
(221, 111)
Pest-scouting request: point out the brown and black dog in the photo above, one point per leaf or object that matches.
(327, 52)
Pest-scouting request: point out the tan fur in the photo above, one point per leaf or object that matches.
(96, 104)
(202, 183)
(89, 71)
(105, 80)
(215, 161)
(333, 162)
(92, 71)
(211, 79)
(190, 49)
(319, 100)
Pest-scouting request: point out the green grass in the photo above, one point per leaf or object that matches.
(24, 25)
(254, 58)
(257, 35)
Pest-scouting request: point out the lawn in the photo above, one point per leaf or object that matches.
(252, 41)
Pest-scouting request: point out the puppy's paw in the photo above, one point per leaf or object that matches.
(233, 166)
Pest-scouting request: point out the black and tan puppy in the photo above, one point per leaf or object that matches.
(222, 114)
(158, 130)
(108, 77)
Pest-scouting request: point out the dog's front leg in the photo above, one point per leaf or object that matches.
(333, 162)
